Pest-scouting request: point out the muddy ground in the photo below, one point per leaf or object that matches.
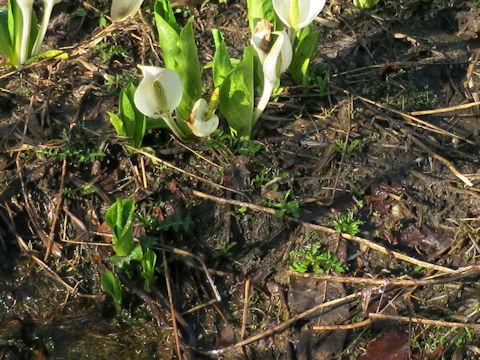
(387, 153)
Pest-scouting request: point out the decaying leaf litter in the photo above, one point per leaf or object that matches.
(391, 140)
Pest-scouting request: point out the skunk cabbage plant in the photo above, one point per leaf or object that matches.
(159, 94)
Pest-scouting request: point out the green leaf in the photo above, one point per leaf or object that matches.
(180, 54)
(119, 218)
(50, 54)
(163, 9)
(148, 268)
(15, 22)
(189, 69)
(129, 122)
(133, 120)
(117, 123)
(221, 60)
(14, 30)
(258, 10)
(365, 4)
(5, 46)
(236, 95)
(304, 50)
(112, 286)
(168, 32)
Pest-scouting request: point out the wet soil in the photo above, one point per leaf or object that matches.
(367, 145)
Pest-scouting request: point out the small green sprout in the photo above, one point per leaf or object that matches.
(148, 268)
(310, 258)
(365, 4)
(352, 149)
(112, 286)
(345, 223)
(284, 206)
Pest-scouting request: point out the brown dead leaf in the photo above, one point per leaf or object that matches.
(393, 345)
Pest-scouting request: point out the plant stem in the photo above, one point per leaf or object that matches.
(292, 34)
(26, 26)
(262, 104)
(173, 126)
(47, 13)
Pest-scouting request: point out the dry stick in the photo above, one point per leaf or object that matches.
(453, 170)
(246, 301)
(328, 230)
(286, 323)
(357, 325)
(166, 163)
(197, 154)
(200, 261)
(446, 109)
(172, 307)
(57, 211)
(417, 320)
(23, 245)
(447, 163)
(347, 139)
(424, 124)
(389, 282)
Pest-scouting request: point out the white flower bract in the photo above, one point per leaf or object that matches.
(122, 9)
(297, 14)
(199, 125)
(146, 98)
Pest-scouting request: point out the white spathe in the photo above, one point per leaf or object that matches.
(122, 9)
(279, 58)
(146, 98)
(297, 14)
(26, 9)
(199, 125)
(261, 39)
(276, 62)
(47, 13)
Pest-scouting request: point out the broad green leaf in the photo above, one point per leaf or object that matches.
(236, 95)
(129, 122)
(117, 123)
(135, 254)
(112, 286)
(15, 22)
(4, 35)
(189, 69)
(304, 50)
(180, 54)
(134, 121)
(119, 218)
(15, 30)
(168, 33)
(258, 10)
(163, 9)
(221, 61)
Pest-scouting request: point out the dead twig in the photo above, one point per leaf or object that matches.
(172, 306)
(166, 163)
(418, 320)
(357, 239)
(246, 302)
(445, 279)
(57, 211)
(284, 324)
(445, 109)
